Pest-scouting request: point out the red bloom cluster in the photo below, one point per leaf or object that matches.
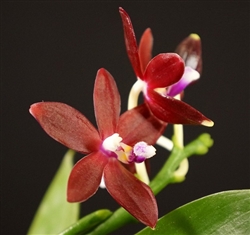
(124, 138)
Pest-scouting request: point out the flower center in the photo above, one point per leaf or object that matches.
(114, 147)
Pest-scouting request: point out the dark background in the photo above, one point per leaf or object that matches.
(51, 51)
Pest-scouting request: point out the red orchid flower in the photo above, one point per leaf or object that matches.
(124, 138)
(162, 71)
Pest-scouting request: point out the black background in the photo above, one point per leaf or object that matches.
(51, 51)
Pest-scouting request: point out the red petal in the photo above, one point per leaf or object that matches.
(138, 124)
(175, 111)
(164, 70)
(145, 48)
(133, 195)
(190, 51)
(106, 102)
(66, 125)
(130, 42)
(85, 177)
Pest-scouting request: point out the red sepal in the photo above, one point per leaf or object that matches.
(130, 42)
(132, 194)
(85, 177)
(107, 103)
(67, 126)
(164, 70)
(173, 111)
(145, 48)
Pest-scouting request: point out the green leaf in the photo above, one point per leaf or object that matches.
(87, 223)
(55, 213)
(221, 213)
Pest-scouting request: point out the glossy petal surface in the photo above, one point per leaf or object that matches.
(190, 75)
(139, 125)
(174, 111)
(145, 48)
(164, 70)
(67, 126)
(130, 42)
(135, 196)
(190, 51)
(106, 103)
(85, 177)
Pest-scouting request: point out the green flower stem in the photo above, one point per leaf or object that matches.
(87, 223)
(165, 176)
(179, 137)
(117, 220)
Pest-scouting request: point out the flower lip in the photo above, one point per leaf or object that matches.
(190, 75)
(139, 153)
(142, 149)
(113, 146)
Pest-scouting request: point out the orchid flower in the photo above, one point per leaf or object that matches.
(156, 75)
(119, 139)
